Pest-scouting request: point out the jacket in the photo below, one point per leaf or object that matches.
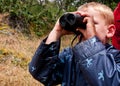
(116, 37)
(89, 63)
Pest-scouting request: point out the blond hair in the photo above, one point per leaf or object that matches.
(104, 10)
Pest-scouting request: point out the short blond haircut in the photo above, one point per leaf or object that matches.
(104, 11)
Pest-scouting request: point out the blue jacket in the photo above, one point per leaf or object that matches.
(89, 63)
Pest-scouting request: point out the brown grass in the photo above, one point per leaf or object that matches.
(16, 51)
(15, 54)
(16, 76)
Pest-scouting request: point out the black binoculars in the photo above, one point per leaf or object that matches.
(71, 22)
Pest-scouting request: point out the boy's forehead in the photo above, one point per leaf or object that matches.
(93, 12)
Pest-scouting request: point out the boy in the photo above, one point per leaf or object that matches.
(91, 62)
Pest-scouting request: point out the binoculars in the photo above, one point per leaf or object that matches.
(71, 22)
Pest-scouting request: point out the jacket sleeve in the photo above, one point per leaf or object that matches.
(45, 65)
(98, 64)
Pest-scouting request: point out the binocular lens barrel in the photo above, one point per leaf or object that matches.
(71, 22)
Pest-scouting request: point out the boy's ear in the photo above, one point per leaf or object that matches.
(111, 30)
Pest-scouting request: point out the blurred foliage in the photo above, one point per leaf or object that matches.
(39, 16)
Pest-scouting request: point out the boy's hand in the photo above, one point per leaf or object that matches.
(57, 33)
(89, 32)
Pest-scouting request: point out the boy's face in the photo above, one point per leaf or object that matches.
(100, 25)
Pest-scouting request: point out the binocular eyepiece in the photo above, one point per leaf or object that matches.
(71, 22)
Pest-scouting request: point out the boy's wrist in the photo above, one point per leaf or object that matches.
(53, 36)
